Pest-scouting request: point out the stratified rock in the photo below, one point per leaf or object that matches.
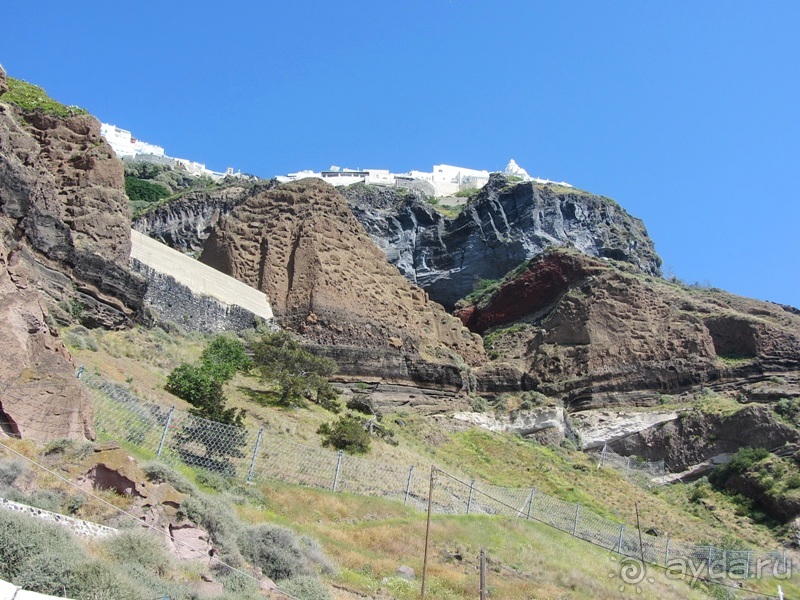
(185, 224)
(505, 225)
(3, 83)
(596, 333)
(62, 184)
(301, 245)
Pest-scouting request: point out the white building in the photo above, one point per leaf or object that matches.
(127, 147)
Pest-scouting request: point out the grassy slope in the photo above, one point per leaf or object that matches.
(346, 524)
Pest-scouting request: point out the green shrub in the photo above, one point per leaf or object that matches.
(217, 517)
(32, 98)
(224, 356)
(275, 550)
(239, 585)
(141, 190)
(80, 341)
(212, 480)
(306, 587)
(23, 537)
(346, 434)
(161, 473)
(139, 547)
(479, 404)
(49, 572)
(10, 470)
(103, 581)
(740, 463)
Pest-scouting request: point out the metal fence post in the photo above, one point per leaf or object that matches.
(469, 500)
(747, 566)
(627, 467)
(577, 513)
(530, 501)
(255, 454)
(338, 470)
(408, 485)
(708, 564)
(603, 456)
(621, 533)
(166, 428)
(666, 553)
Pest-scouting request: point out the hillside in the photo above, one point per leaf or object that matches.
(565, 352)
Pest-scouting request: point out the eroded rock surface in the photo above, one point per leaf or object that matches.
(301, 245)
(505, 225)
(597, 335)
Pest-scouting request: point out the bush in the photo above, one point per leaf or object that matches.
(23, 537)
(346, 434)
(215, 515)
(102, 581)
(10, 470)
(479, 404)
(223, 357)
(740, 463)
(161, 473)
(48, 573)
(139, 547)
(80, 341)
(140, 190)
(306, 587)
(275, 550)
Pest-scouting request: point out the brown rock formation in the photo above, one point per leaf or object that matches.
(64, 243)
(40, 398)
(597, 334)
(301, 245)
(62, 184)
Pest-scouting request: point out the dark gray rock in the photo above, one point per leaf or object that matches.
(503, 226)
(185, 223)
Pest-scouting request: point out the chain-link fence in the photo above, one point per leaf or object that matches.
(643, 473)
(253, 455)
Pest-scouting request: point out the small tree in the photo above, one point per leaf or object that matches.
(224, 356)
(346, 434)
(297, 373)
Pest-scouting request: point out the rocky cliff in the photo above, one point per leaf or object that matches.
(504, 225)
(301, 245)
(185, 223)
(64, 188)
(64, 247)
(597, 333)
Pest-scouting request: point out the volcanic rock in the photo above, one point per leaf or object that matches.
(301, 245)
(505, 225)
(596, 333)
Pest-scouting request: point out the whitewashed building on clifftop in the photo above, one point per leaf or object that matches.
(443, 180)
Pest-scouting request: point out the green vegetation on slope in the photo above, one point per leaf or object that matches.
(32, 98)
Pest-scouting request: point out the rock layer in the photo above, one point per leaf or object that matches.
(301, 245)
(62, 184)
(505, 225)
(596, 334)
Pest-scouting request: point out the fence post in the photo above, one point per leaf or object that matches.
(469, 500)
(621, 533)
(255, 454)
(577, 513)
(80, 371)
(708, 564)
(483, 574)
(408, 485)
(666, 553)
(530, 501)
(747, 566)
(603, 456)
(338, 469)
(627, 467)
(166, 428)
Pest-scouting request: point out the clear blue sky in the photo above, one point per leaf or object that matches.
(684, 112)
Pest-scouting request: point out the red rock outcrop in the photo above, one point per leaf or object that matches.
(40, 397)
(301, 245)
(597, 334)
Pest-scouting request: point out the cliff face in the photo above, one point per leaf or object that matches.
(301, 245)
(185, 224)
(598, 335)
(62, 185)
(505, 225)
(64, 240)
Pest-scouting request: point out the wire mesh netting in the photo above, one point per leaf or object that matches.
(254, 455)
(643, 473)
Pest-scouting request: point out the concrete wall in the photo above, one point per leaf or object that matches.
(8, 591)
(192, 294)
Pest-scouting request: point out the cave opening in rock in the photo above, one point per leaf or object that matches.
(733, 337)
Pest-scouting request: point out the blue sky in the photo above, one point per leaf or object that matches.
(684, 112)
